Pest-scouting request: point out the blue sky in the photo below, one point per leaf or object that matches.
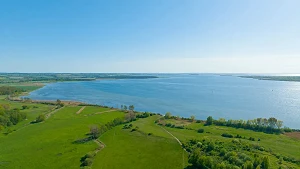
(231, 36)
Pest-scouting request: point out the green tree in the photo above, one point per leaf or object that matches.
(40, 118)
(192, 118)
(1, 127)
(94, 131)
(130, 116)
(2, 110)
(209, 120)
(168, 115)
(279, 124)
(131, 107)
(248, 165)
(265, 163)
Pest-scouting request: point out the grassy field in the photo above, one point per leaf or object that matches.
(126, 149)
(279, 144)
(50, 144)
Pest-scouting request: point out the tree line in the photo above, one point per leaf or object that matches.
(220, 155)
(10, 90)
(270, 125)
(9, 117)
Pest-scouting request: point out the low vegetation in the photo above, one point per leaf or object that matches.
(275, 78)
(9, 116)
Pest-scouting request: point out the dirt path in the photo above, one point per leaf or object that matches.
(183, 150)
(79, 111)
(105, 111)
(51, 113)
(172, 135)
(100, 144)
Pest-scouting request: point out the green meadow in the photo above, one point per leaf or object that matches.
(146, 144)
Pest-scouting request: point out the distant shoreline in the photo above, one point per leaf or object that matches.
(275, 78)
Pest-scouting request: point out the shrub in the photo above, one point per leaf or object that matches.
(149, 134)
(87, 162)
(40, 118)
(252, 139)
(200, 130)
(25, 107)
(223, 152)
(209, 120)
(227, 135)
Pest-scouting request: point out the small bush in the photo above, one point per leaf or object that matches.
(87, 162)
(149, 134)
(40, 118)
(200, 130)
(227, 135)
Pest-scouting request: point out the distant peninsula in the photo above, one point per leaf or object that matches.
(58, 77)
(275, 78)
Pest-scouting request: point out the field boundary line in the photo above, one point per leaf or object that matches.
(106, 111)
(80, 110)
(172, 135)
(51, 113)
(100, 144)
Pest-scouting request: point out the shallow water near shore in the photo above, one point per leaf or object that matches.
(227, 97)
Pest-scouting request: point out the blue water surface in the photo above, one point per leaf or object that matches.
(227, 97)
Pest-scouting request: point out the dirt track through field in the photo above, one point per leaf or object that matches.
(172, 135)
(100, 144)
(51, 113)
(79, 111)
(105, 111)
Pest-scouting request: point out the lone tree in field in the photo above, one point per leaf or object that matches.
(209, 120)
(59, 103)
(168, 115)
(131, 107)
(125, 107)
(40, 118)
(94, 131)
(192, 118)
(130, 116)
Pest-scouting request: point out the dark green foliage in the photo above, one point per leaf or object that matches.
(227, 135)
(131, 107)
(54, 77)
(216, 154)
(168, 115)
(10, 117)
(200, 130)
(40, 118)
(144, 115)
(127, 126)
(25, 107)
(86, 160)
(271, 125)
(135, 129)
(9, 90)
(209, 120)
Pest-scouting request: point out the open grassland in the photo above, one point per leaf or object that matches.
(278, 144)
(138, 149)
(90, 110)
(32, 111)
(26, 86)
(50, 144)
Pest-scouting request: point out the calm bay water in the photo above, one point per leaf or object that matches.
(185, 95)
